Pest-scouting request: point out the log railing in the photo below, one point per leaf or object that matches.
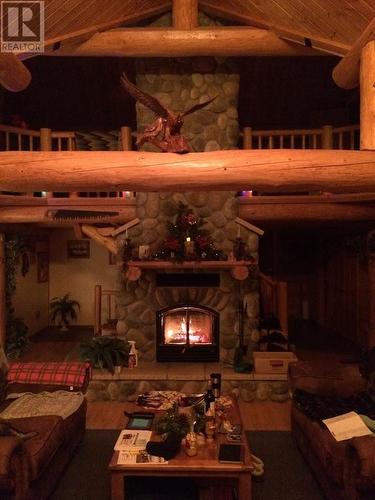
(326, 137)
(45, 139)
(346, 137)
(105, 311)
(21, 139)
(274, 300)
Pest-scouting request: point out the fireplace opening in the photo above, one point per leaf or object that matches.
(187, 333)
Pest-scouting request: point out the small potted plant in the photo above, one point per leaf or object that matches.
(105, 352)
(64, 309)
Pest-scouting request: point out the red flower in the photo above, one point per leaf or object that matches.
(172, 244)
(189, 219)
(202, 241)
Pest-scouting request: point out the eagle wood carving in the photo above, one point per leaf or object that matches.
(165, 131)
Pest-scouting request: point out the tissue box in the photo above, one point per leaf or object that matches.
(273, 362)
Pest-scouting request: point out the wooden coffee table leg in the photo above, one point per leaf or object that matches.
(244, 487)
(117, 486)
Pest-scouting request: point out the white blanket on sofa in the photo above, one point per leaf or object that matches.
(61, 403)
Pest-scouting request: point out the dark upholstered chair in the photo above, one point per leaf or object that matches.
(344, 469)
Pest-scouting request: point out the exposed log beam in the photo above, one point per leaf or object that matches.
(184, 14)
(367, 96)
(85, 33)
(346, 72)
(107, 241)
(307, 212)
(317, 42)
(169, 42)
(43, 215)
(18, 215)
(301, 199)
(249, 227)
(14, 75)
(277, 170)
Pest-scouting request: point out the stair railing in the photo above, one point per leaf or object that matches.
(105, 307)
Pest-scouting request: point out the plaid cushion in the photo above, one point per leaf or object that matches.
(73, 375)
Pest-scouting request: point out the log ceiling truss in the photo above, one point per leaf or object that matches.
(74, 27)
(325, 24)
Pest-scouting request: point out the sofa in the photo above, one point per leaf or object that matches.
(344, 469)
(35, 447)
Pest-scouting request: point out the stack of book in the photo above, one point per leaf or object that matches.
(131, 445)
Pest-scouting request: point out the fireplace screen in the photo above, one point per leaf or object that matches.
(187, 333)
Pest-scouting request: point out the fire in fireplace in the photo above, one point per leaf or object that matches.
(187, 333)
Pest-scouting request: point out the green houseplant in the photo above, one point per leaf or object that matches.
(64, 309)
(105, 352)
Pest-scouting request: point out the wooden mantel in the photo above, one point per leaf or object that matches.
(238, 268)
(277, 170)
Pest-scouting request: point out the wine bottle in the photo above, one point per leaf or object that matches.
(216, 384)
(209, 398)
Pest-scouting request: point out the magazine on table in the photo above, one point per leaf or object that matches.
(346, 426)
(134, 440)
(128, 457)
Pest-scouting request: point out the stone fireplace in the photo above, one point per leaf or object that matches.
(145, 305)
(140, 302)
(179, 84)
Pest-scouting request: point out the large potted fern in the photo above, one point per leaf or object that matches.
(63, 310)
(105, 352)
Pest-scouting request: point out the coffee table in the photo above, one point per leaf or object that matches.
(204, 467)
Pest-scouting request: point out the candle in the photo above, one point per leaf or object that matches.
(144, 251)
(189, 246)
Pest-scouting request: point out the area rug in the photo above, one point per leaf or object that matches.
(286, 476)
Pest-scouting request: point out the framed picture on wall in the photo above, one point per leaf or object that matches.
(78, 249)
(42, 266)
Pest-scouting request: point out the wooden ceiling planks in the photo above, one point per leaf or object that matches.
(65, 20)
(335, 25)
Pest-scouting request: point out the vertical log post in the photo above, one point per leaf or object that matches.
(2, 291)
(46, 144)
(45, 139)
(126, 138)
(98, 311)
(371, 298)
(367, 93)
(327, 137)
(247, 138)
(126, 141)
(282, 305)
(185, 14)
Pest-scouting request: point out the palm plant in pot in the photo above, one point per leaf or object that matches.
(105, 352)
(64, 309)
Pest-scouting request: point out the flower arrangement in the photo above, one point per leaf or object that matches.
(187, 240)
